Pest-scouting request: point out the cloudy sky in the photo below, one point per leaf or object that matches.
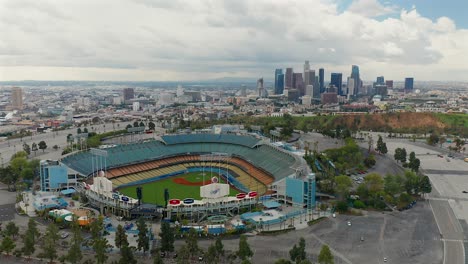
(177, 40)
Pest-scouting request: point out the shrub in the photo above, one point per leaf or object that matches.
(342, 206)
(358, 204)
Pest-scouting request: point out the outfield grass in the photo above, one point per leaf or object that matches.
(153, 192)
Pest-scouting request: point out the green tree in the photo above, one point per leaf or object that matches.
(142, 124)
(120, 237)
(297, 253)
(85, 130)
(11, 229)
(183, 255)
(433, 139)
(342, 206)
(369, 161)
(425, 185)
(244, 251)
(211, 255)
(26, 148)
(99, 243)
(143, 238)
(192, 242)
(78, 131)
(379, 144)
(136, 124)
(126, 255)
(343, 184)
(411, 182)
(384, 149)
(34, 147)
(325, 256)
(100, 246)
(49, 243)
(30, 238)
(128, 126)
(374, 183)
(42, 145)
(74, 254)
(219, 246)
(167, 237)
(393, 184)
(7, 245)
(157, 258)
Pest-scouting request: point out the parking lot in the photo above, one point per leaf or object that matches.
(410, 236)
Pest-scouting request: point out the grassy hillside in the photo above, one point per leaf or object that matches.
(392, 122)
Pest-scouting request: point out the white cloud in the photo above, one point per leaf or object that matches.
(201, 39)
(371, 8)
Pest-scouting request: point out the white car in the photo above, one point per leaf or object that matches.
(384, 259)
(333, 215)
(349, 223)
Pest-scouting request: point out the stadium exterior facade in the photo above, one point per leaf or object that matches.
(249, 163)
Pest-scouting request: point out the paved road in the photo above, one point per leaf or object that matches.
(446, 172)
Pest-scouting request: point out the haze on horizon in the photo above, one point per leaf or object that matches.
(160, 40)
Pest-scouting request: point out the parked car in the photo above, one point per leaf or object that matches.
(64, 235)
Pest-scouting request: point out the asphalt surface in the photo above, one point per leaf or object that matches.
(403, 237)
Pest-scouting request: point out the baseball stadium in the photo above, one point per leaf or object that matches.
(173, 169)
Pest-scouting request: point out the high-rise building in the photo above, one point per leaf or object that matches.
(309, 90)
(337, 81)
(128, 94)
(309, 78)
(298, 83)
(350, 86)
(243, 92)
(306, 66)
(261, 90)
(380, 80)
(280, 84)
(322, 80)
(409, 82)
(278, 89)
(357, 79)
(316, 92)
(288, 78)
(17, 98)
(389, 84)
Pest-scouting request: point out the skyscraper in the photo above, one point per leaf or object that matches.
(380, 80)
(17, 98)
(277, 87)
(316, 93)
(409, 84)
(243, 90)
(389, 84)
(337, 81)
(309, 78)
(350, 87)
(357, 79)
(288, 78)
(128, 94)
(280, 89)
(298, 83)
(261, 90)
(322, 80)
(306, 66)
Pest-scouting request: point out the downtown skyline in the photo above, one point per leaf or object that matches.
(200, 40)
